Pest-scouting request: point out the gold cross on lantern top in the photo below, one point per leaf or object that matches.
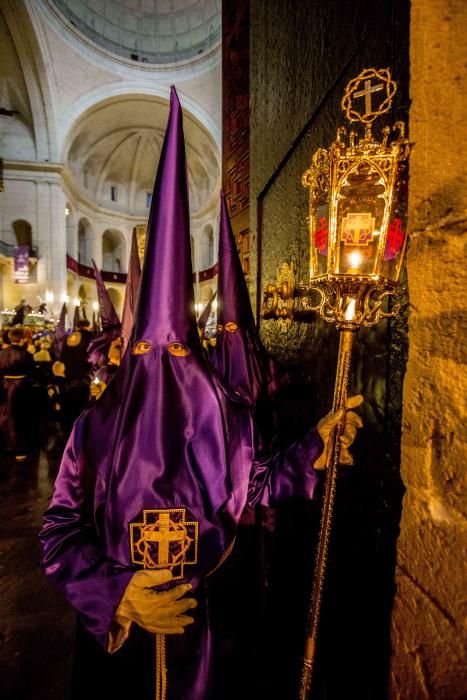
(362, 86)
(367, 92)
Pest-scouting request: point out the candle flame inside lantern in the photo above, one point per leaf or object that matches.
(350, 310)
(355, 259)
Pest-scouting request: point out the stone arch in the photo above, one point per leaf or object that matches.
(207, 247)
(82, 293)
(113, 251)
(116, 299)
(85, 236)
(86, 295)
(23, 232)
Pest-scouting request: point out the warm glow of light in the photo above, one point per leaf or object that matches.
(76, 301)
(350, 310)
(65, 298)
(95, 306)
(67, 211)
(376, 233)
(355, 259)
(214, 305)
(49, 297)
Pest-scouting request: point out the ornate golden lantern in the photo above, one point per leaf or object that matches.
(357, 246)
(357, 238)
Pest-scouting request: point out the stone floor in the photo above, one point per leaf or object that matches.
(36, 626)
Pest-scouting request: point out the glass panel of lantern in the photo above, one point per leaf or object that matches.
(359, 218)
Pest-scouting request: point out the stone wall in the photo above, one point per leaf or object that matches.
(429, 657)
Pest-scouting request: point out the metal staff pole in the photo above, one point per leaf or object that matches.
(339, 402)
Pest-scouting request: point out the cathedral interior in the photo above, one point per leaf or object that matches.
(84, 100)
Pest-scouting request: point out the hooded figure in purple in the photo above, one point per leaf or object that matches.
(60, 332)
(239, 358)
(111, 326)
(158, 472)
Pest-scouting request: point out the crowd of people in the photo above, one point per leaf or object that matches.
(47, 381)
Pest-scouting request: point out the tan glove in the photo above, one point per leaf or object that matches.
(154, 611)
(326, 426)
(96, 389)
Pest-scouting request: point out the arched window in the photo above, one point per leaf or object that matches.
(23, 232)
(84, 242)
(207, 248)
(116, 299)
(113, 250)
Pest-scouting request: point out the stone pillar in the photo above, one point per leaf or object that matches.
(428, 661)
(57, 281)
(51, 240)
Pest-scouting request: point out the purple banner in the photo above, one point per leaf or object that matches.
(21, 264)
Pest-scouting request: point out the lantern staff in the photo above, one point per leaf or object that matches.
(357, 247)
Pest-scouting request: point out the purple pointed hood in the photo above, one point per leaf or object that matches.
(99, 346)
(109, 317)
(60, 332)
(167, 275)
(131, 291)
(239, 358)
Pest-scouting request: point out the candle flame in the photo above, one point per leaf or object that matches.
(350, 310)
(355, 259)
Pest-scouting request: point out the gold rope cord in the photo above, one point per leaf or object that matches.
(340, 399)
(161, 668)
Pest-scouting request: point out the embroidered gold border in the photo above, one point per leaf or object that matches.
(135, 557)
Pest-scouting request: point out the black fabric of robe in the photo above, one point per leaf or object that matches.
(18, 404)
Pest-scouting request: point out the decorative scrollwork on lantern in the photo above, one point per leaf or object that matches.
(278, 299)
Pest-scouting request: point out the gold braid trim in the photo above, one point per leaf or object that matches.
(226, 554)
(161, 668)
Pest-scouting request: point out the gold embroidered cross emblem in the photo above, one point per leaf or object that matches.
(164, 540)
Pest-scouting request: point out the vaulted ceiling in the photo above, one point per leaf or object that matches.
(118, 143)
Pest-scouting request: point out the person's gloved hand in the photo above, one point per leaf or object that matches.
(326, 426)
(156, 611)
(97, 388)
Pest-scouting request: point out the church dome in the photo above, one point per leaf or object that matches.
(151, 31)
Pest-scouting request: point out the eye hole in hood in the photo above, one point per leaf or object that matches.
(178, 349)
(141, 347)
